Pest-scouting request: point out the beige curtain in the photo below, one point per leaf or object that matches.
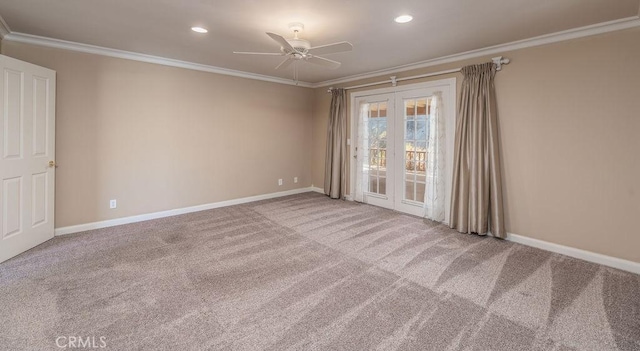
(476, 195)
(335, 167)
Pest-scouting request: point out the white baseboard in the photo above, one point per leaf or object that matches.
(625, 265)
(145, 217)
(321, 191)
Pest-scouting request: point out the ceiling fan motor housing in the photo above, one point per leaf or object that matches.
(301, 45)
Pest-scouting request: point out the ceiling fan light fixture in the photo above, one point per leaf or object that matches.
(403, 19)
(199, 30)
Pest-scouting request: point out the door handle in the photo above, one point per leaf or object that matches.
(52, 164)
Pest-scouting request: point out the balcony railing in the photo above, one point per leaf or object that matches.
(415, 161)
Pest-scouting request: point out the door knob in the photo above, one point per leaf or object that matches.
(52, 164)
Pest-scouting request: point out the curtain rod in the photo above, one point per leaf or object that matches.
(499, 61)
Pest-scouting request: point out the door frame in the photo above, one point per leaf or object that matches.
(449, 89)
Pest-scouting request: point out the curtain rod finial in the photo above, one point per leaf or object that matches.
(499, 61)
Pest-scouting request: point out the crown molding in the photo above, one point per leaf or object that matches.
(594, 29)
(98, 50)
(4, 28)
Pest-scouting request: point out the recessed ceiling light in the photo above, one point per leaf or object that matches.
(199, 29)
(403, 19)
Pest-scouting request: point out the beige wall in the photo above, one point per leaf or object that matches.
(569, 118)
(157, 138)
(150, 136)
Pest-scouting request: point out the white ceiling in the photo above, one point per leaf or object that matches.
(439, 28)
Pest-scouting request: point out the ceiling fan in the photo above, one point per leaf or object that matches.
(300, 50)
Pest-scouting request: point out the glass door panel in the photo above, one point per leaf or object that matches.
(413, 136)
(416, 133)
(373, 160)
(375, 164)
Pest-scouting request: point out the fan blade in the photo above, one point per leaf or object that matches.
(282, 41)
(324, 62)
(285, 63)
(331, 48)
(259, 53)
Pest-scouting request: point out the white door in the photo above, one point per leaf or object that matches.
(376, 141)
(27, 150)
(412, 125)
(391, 150)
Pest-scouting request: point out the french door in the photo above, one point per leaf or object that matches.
(392, 147)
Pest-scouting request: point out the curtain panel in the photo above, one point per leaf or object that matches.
(476, 194)
(435, 167)
(335, 165)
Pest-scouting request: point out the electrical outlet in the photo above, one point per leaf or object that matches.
(112, 204)
(279, 181)
(295, 179)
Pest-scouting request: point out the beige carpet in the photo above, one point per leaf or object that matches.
(308, 273)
